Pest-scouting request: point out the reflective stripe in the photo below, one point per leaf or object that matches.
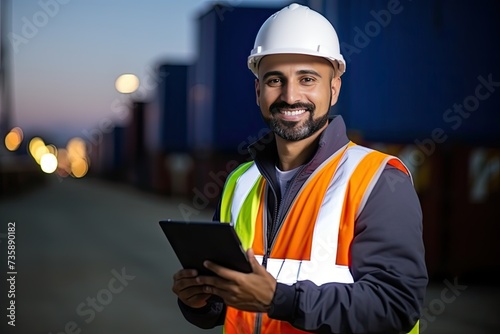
(248, 213)
(416, 328)
(244, 187)
(288, 271)
(228, 192)
(240, 210)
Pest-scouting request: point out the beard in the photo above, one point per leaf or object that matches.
(292, 130)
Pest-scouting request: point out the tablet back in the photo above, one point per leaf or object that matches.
(195, 242)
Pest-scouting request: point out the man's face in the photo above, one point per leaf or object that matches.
(295, 93)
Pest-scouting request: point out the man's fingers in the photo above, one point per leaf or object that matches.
(194, 297)
(185, 279)
(185, 273)
(219, 271)
(188, 286)
(184, 283)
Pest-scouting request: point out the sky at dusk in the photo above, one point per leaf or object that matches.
(67, 54)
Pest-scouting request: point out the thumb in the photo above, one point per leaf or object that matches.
(251, 258)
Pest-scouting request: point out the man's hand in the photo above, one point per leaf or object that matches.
(188, 287)
(248, 292)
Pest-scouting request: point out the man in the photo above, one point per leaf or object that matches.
(333, 229)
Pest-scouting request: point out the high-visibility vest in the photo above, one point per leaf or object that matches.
(332, 197)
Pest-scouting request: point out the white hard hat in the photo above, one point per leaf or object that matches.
(297, 29)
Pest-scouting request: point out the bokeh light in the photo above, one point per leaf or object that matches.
(76, 158)
(35, 142)
(79, 168)
(37, 148)
(52, 149)
(39, 153)
(63, 163)
(48, 163)
(76, 147)
(127, 83)
(13, 139)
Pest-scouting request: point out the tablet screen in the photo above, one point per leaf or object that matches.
(195, 242)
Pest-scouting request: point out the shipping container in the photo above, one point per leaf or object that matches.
(417, 67)
(166, 117)
(135, 158)
(474, 222)
(165, 120)
(222, 104)
(107, 158)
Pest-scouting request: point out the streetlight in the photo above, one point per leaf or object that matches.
(127, 83)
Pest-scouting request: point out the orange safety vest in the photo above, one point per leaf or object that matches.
(332, 197)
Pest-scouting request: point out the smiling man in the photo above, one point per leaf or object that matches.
(333, 229)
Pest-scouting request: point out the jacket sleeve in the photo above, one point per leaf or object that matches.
(387, 264)
(209, 316)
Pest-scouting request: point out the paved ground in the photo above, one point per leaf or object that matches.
(74, 238)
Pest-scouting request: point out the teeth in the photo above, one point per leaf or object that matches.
(294, 112)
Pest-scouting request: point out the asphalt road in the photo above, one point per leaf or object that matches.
(91, 258)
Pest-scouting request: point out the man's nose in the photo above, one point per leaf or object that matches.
(291, 93)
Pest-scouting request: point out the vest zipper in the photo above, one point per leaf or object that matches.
(277, 223)
(267, 249)
(268, 238)
(258, 323)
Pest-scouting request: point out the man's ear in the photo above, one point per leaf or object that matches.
(335, 86)
(257, 91)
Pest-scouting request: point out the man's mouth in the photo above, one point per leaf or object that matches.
(293, 112)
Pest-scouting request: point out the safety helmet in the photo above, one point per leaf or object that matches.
(300, 30)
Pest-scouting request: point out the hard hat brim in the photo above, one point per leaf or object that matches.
(255, 57)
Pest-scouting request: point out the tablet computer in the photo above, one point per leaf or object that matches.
(195, 242)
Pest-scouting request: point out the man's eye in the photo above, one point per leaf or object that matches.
(307, 80)
(274, 82)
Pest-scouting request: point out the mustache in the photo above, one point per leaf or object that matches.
(276, 106)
